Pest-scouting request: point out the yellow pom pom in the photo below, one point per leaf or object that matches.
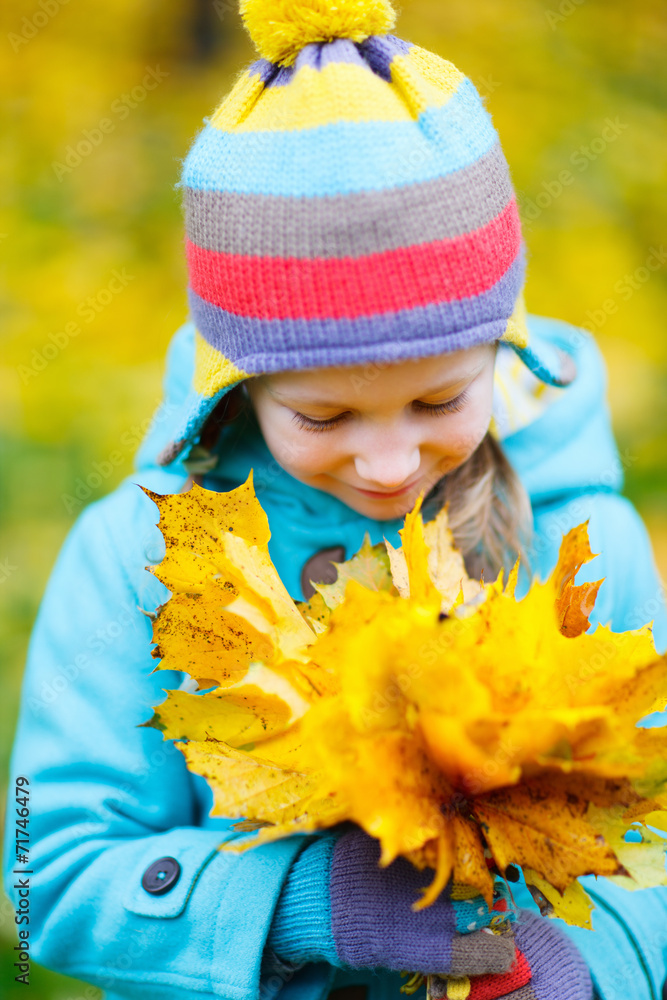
(281, 28)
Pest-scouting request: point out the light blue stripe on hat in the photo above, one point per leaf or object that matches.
(344, 157)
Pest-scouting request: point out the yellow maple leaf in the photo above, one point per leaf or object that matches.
(192, 532)
(204, 638)
(261, 789)
(574, 906)
(574, 604)
(229, 607)
(263, 704)
(533, 825)
(370, 567)
(460, 727)
(428, 561)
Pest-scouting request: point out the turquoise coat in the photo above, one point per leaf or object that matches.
(109, 798)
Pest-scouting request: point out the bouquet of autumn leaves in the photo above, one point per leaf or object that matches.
(465, 729)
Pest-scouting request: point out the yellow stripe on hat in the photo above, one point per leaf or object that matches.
(425, 80)
(344, 92)
(517, 325)
(240, 101)
(337, 92)
(213, 371)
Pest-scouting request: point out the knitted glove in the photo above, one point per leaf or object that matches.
(374, 925)
(559, 971)
(339, 906)
(549, 967)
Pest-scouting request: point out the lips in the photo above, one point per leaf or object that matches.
(375, 495)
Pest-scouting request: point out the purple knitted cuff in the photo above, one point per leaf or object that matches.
(559, 970)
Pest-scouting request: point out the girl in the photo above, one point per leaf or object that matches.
(357, 337)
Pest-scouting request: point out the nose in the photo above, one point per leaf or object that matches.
(387, 464)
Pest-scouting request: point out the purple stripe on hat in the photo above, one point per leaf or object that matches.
(376, 53)
(282, 76)
(353, 225)
(317, 56)
(286, 344)
(264, 69)
(341, 50)
(379, 51)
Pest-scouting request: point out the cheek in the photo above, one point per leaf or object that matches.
(461, 434)
(311, 457)
(298, 452)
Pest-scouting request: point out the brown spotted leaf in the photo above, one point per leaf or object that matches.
(532, 826)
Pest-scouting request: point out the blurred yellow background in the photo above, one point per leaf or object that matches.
(101, 100)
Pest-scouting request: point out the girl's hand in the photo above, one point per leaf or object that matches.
(559, 971)
(374, 925)
(549, 967)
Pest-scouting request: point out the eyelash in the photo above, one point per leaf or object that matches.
(437, 410)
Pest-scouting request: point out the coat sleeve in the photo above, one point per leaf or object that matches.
(627, 948)
(109, 798)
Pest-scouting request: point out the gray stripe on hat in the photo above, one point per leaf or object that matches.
(353, 225)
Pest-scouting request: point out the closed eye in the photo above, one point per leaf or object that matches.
(432, 409)
(318, 425)
(450, 406)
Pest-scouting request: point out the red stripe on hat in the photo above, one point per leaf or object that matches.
(345, 288)
(491, 986)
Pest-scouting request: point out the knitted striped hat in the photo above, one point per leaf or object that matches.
(348, 202)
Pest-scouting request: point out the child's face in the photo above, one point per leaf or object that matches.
(377, 436)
